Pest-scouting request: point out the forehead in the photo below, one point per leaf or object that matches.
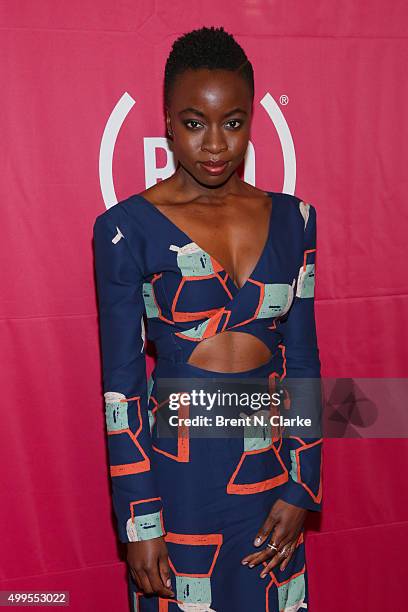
(210, 90)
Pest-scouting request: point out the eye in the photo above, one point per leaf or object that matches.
(191, 121)
(235, 121)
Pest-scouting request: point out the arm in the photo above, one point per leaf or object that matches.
(136, 502)
(301, 354)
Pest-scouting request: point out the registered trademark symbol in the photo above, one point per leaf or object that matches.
(284, 99)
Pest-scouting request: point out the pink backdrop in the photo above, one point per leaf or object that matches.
(65, 67)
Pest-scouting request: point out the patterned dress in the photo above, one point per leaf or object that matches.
(207, 496)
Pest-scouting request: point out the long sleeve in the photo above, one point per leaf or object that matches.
(301, 357)
(136, 503)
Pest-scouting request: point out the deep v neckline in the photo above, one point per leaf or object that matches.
(221, 267)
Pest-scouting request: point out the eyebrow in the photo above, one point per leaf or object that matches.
(190, 109)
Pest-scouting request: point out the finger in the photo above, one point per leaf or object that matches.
(291, 551)
(164, 570)
(135, 578)
(255, 558)
(279, 557)
(272, 563)
(268, 567)
(285, 542)
(279, 537)
(258, 557)
(144, 582)
(265, 530)
(289, 543)
(157, 584)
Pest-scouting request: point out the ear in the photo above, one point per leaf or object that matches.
(168, 123)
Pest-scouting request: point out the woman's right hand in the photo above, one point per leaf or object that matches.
(149, 566)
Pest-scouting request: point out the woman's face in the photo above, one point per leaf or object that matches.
(209, 117)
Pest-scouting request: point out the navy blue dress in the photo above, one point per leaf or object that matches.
(207, 496)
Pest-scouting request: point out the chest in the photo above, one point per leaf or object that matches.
(228, 237)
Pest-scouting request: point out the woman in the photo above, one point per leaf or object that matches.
(224, 273)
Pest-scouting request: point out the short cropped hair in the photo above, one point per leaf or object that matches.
(212, 48)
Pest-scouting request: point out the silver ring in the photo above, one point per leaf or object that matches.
(272, 546)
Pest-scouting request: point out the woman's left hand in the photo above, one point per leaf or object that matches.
(286, 522)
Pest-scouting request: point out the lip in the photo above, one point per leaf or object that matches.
(214, 169)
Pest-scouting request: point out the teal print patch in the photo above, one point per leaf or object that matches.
(150, 304)
(192, 260)
(193, 590)
(144, 527)
(116, 412)
(292, 593)
(277, 300)
(306, 281)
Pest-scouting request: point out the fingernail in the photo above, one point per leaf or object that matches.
(251, 565)
(264, 576)
(168, 582)
(244, 562)
(257, 541)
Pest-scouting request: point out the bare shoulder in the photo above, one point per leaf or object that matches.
(161, 194)
(253, 192)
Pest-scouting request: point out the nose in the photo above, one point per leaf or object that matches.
(213, 140)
